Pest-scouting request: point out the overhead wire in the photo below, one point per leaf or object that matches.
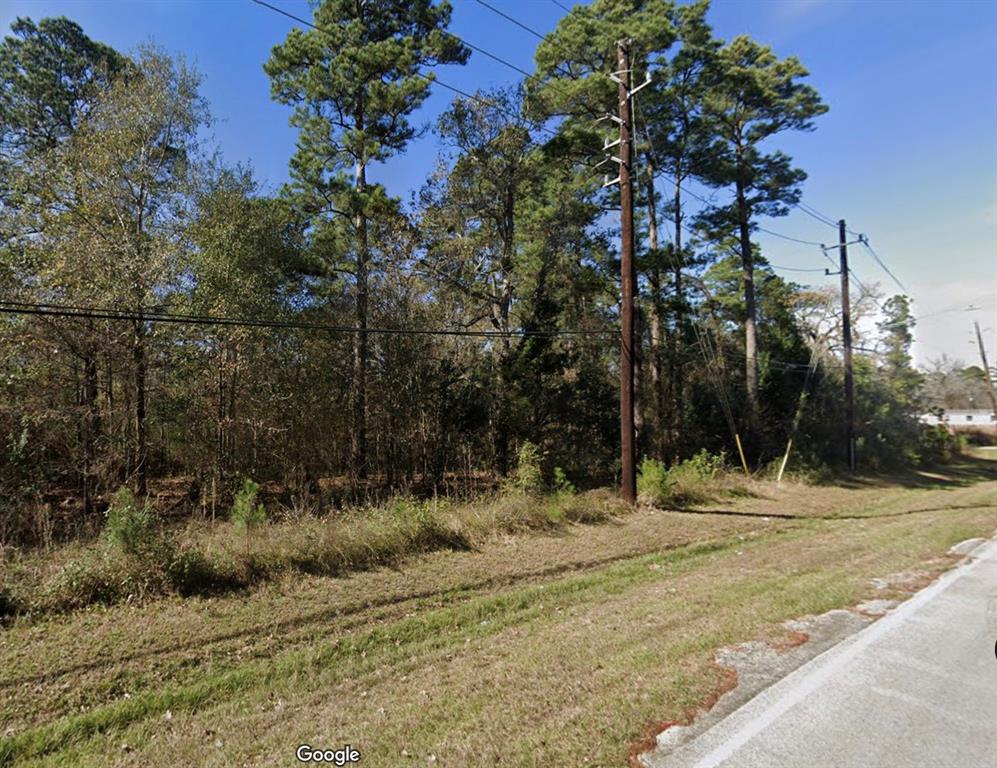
(515, 21)
(787, 237)
(865, 242)
(154, 315)
(432, 80)
(814, 213)
(805, 208)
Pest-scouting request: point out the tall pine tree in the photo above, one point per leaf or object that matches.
(353, 81)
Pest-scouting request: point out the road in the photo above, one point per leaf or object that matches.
(915, 688)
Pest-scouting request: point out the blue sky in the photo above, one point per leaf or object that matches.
(907, 153)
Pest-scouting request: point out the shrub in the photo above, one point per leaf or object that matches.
(528, 476)
(936, 445)
(130, 526)
(189, 572)
(705, 465)
(653, 484)
(694, 481)
(106, 576)
(247, 513)
(591, 506)
(561, 482)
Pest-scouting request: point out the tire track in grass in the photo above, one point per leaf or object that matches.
(455, 594)
(309, 668)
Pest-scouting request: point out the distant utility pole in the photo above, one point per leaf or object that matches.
(846, 338)
(986, 369)
(846, 333)
(628, 280)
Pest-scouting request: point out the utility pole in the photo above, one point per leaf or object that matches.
(846, 333)
(628, 481)
(986, 370)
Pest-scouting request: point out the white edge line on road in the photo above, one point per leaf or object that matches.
(807, 679)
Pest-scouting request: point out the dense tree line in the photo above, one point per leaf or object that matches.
(107, 200)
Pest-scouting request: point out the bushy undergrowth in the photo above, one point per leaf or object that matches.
(702, 478)
(136, 558)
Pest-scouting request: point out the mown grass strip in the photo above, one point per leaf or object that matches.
(349, 656)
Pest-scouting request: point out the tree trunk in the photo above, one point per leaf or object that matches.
(139, 361)
(502, 431)
(676, 383)
(360, 346)
(656, 323)
(91, 427)
(220, 421)
(750, 339)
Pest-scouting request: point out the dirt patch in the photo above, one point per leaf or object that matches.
(728, 682)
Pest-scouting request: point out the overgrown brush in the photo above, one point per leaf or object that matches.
(702, 478)
(136, 558)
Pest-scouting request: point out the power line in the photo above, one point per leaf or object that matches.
(787, 237)
(532, 31)
(506, 16)
(472, 46)
(429, 79)
(814, 213)
(561, 6)
(157, 316)
(865, 242)
(796, 269)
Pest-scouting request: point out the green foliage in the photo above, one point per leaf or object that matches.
(572, 60)
(50, 72)
(652, 481)
(936, 445)
(528, 476)
(561, 482)
(693, 481)
(352, 84)
(130, 526)
(247, 513)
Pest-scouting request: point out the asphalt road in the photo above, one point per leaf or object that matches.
(917, 688)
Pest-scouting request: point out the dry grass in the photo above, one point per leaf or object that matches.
(209, 558)
(553, 649)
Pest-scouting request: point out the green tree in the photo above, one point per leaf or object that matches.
(754, 96)
(51, 75)
(121, 241)
(247, 260)
(353, 82)
(471, 211)
(671, 120)
(897, 335)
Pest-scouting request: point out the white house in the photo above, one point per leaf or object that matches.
(963, 419)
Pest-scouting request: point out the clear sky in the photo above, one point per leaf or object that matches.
(907, 153)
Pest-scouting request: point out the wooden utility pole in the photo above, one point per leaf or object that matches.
(846, 333)
(986, 369)
(628, 482)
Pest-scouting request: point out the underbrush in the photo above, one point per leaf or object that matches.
(136, 558)
(702, 478)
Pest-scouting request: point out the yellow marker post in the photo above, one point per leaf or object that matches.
(740, 450)
(785, 458)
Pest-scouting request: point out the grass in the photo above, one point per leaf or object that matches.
(136, 561)
(553, 649)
